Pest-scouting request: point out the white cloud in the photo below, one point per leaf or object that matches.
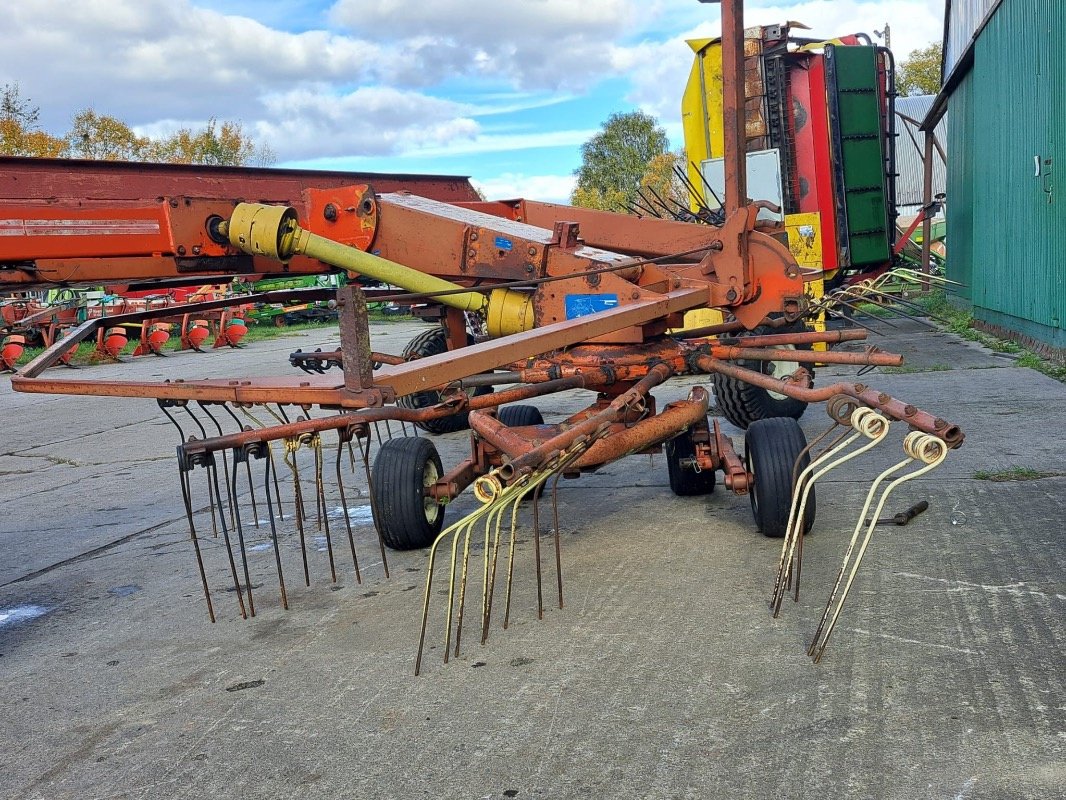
(547, 188)
(553, 44)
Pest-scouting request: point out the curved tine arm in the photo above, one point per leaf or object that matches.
(869, 423)
(931, 451)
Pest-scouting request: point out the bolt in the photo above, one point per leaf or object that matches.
(471, 253)
(909, 411)
(532, 251)
(939, 424)
(305, 383)
(716, 245)
(473, 236)
(196, 250)
(883, 398)
(635, 294)
(330, 212)
(529, 269)
(731, 295)
(181, 249)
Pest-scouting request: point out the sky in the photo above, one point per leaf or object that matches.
(503, 91)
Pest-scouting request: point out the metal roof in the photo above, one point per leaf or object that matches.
(910, 148)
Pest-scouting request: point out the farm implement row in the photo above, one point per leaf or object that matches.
(532, 299)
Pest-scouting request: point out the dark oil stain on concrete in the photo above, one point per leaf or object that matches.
(238, 687)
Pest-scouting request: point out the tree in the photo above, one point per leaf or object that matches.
(920, 73)
(660, 183)
(20, 135)
(104, 138)
(215, 144)
(614, 161)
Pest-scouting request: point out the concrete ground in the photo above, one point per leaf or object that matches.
(663, 677)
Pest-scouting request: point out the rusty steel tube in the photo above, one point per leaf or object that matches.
(673, 418)
(732, 352)
(896, 409)
(533, 390)
(802, 337)
(531, 458)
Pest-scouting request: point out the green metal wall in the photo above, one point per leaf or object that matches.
(1006, 241)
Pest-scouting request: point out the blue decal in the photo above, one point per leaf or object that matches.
(581, 305)
(504, 244)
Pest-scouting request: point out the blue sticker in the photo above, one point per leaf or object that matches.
(581, 305)
(503, 243)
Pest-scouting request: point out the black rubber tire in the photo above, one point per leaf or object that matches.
(685, 481)
(519, 416)
(771, 447)
(430, 343)
(402, 469)
(742, 404)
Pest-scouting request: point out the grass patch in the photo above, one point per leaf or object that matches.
(905, 370)
(1014, 474)
(960, 322)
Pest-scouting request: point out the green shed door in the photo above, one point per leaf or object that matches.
(857, 126)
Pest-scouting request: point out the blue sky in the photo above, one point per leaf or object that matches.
(502, 90)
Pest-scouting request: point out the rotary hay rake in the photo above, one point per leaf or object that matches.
(365, 423)
(536, 299)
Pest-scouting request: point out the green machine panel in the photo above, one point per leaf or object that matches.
(858, 132)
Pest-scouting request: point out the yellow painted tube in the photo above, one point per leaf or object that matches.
(272, 231)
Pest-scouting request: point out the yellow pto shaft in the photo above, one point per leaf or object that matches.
(272, 231)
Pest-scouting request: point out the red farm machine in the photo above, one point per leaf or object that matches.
(532, 299)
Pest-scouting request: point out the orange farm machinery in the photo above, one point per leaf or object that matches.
(532, 299)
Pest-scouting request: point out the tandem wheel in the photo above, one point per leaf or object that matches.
(685, 481)
(771, 447)
(407, 516)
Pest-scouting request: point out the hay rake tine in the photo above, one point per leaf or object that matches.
(268, 468)
(365, 453)
(248, 468)
(928, 449)
(231, 497)
(323, 517)
(212, 472)
(273, 463)
(865, 422)
(344, 435)
(210, 497)
(240, 535)
(558, 545)
(186, 496)
(292, 445)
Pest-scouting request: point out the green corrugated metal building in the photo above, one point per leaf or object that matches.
(1005, 99)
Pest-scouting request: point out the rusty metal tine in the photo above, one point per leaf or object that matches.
(837, 314)
(344, 507)
(540, 588)
(449, 531)
(351, 456)
(855, 307)
(928, 449)
(186, 496)
(268, 468)
(251, 493)
(320, 489)
(212, 478)
(558, 546)
(270, 454)
(810, 448)
(462, 583)
(490, 583)
(163, 407)
(290, 448)
(365, 453)
(240, 538)
(210, 496)
(230, 496)
(451, 585)
(388, 429)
